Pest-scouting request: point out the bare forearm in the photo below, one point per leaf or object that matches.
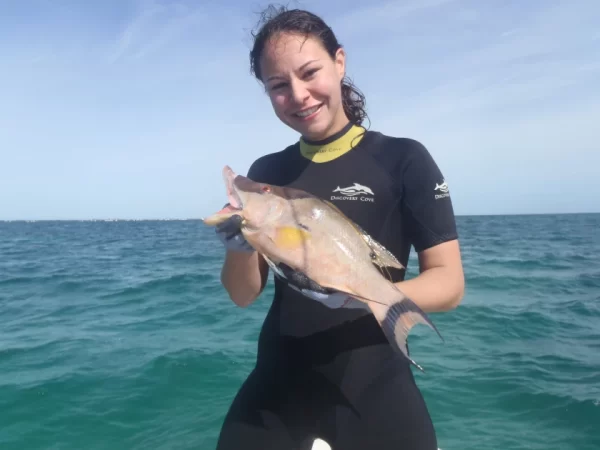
(243, 276)
(436, 289)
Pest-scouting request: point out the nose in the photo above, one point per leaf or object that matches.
(298, 92)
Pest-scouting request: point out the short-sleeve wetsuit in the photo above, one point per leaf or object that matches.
(330, 372)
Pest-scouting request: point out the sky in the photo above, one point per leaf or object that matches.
(130, 108)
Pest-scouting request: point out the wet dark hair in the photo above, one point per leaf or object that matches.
(278, 19)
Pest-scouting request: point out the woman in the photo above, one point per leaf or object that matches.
(324, 368)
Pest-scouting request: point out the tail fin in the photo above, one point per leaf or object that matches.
(398, 321)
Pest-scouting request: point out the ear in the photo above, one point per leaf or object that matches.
(340, 62)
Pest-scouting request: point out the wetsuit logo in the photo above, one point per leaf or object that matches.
(443, 188)
(356, 192)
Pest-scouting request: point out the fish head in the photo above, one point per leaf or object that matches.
(258, 204)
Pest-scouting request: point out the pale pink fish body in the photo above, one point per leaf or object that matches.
(315, 238)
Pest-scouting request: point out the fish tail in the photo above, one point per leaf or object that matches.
(399, 319)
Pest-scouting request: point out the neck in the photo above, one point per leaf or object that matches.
(334, 130)
(334, 146)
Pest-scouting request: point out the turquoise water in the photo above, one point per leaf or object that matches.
(118, 335)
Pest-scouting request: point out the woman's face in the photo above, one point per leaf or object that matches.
(304, 84)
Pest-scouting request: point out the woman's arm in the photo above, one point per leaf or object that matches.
(440, 284)
(430, 226)
(244, 276)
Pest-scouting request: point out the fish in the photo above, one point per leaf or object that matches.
(312, 243)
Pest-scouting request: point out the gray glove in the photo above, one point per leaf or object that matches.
(302, 283)
(230, 235)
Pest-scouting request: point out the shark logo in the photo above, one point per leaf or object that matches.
(354, 192)
(443, 188)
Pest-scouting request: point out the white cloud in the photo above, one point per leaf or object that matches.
(157, 27)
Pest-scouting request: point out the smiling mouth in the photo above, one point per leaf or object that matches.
(308, 112)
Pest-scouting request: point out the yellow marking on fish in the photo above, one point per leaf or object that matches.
(288, 237)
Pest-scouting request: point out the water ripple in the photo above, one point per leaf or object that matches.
(119, 335)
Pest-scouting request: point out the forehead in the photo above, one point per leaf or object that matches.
(287, 52)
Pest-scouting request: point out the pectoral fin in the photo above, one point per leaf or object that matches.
(289, 238)
(274, 266)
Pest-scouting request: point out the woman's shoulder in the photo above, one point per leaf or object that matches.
(271, 163)
(396, 152)
(392, 143)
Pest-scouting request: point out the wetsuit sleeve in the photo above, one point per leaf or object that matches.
(256, 172)
(426, 206)
(267, 168)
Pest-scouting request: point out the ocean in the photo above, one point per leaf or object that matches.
(118, 335)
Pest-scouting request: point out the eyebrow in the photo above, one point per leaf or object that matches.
(273, 77)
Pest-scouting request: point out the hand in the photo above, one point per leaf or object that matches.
(230, 235)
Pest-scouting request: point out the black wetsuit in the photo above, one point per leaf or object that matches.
(331, 373)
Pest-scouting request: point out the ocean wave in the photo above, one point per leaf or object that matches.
(120, 334)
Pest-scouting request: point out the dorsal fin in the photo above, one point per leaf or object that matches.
(381, 256)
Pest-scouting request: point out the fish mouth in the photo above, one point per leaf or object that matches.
(235, 201)
(235, 205)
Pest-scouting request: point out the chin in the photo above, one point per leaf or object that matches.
(314, 132)
(319, 133)
(312, 129)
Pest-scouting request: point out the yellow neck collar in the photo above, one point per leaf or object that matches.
(333, 147)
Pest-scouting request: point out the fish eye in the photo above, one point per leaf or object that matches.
(266, 188)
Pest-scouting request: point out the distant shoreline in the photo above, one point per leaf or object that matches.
(199, 219)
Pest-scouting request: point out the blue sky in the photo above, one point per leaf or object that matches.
(129, 109)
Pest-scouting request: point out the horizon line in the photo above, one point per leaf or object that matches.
(178, 219)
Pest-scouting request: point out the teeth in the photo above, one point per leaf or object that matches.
(308, 112)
